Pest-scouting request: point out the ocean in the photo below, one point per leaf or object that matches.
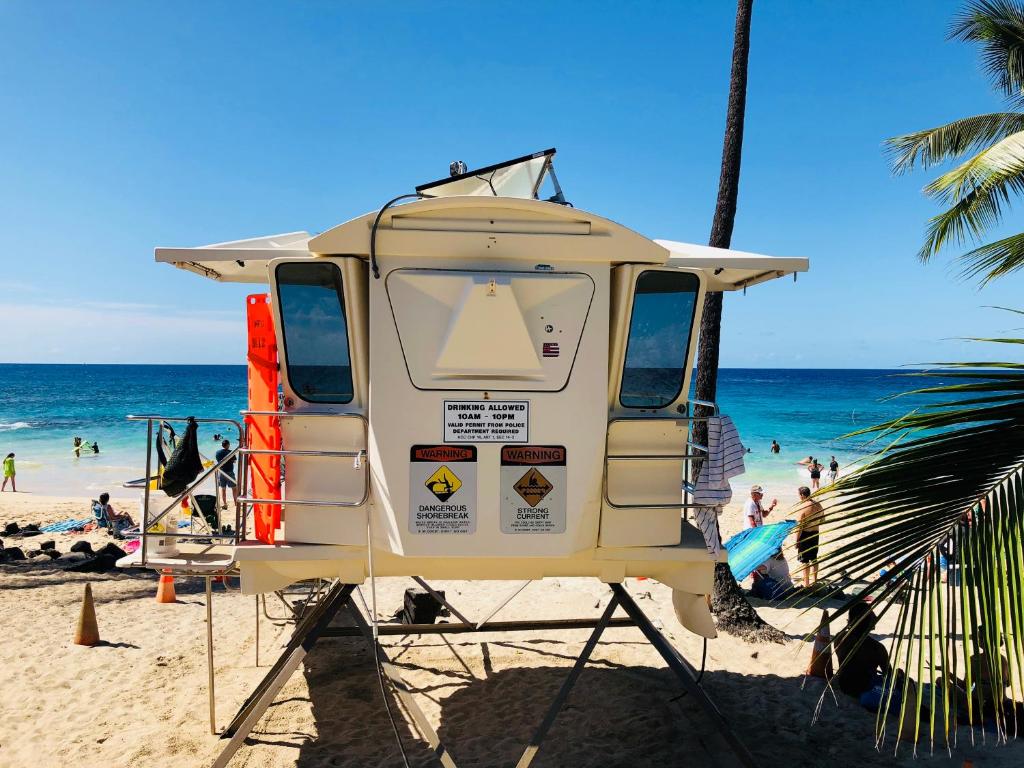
(42, 407)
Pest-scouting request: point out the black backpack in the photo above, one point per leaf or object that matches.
(185, 464)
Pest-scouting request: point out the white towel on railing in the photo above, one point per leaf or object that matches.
(707, 520)
(724, 461)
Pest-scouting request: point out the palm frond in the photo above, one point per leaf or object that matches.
(998, 25)
(977, 191)
(935, 145)
(993, 260)
(951, 485)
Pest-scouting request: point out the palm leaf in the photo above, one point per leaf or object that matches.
(999, 26)
(935, 145)
(954, 478)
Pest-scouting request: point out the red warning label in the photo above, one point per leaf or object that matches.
(442, 453)
(532, 455)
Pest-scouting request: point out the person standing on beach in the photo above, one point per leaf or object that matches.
(810, 516)
(226, 475)
(775, 446)
(9, 473)
(815, 469)
(753, 511)
(833, 470)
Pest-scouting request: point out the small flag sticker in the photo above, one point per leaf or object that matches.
(550, 349)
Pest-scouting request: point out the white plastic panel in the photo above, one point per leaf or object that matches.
(489, 330)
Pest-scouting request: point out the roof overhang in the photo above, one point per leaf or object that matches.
(237, 261)
(729, 270)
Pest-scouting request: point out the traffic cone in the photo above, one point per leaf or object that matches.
(87, 633)
(821, 654)
(165, 589)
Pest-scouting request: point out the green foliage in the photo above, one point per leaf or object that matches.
(978, 190)
(948, 479)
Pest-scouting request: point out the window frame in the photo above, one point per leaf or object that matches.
(339, 289)
(686, 349)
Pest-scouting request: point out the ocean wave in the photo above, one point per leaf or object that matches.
(14, 425)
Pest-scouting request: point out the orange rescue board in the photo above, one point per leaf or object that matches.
(264, 431)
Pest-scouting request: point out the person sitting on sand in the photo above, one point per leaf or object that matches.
(863, 661)
(811, 514)
(9, 473)
(753, 512)
(106, 515)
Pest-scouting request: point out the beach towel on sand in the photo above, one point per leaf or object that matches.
(749, 548)
(66, 525)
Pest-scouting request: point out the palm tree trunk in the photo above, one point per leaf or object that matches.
(735, 614)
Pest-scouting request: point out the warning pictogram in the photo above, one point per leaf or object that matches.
(443, 483)
(533, 487)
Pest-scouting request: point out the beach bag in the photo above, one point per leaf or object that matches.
(185, 463)
(765, 587)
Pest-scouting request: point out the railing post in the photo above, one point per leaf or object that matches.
(145, 498)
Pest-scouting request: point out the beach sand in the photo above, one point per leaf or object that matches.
(140, 698)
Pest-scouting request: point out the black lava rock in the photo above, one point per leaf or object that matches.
(92, 565)
(53, 554)
(51, 544)
(13, 553)
(82, 546)
(11, 528)
(31, 527)
(33, 553)
(26, 532)
(111, 550)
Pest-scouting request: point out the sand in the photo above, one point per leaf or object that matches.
(140, 698)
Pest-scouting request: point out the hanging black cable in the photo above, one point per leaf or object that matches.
(373, 231)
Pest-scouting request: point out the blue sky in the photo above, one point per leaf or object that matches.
(131, 125)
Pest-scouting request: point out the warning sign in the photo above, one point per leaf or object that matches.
(443, 484)
(533, 489)
(442, 489)
(487, 421)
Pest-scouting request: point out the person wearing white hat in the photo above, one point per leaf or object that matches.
(753, 510)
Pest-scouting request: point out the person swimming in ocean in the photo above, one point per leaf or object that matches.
(775, 446)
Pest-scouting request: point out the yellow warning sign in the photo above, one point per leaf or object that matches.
(533, 487)
(443, 483)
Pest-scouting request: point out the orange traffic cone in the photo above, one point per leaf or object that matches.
(165, 589)
(821, 654)
(87, 633)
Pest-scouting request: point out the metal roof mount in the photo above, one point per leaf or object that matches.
(519, 177)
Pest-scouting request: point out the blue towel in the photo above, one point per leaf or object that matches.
(749, 548)
(66, 525)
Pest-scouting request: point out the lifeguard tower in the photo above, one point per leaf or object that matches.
(475, 384)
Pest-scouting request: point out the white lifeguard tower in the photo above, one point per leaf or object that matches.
(477, 384)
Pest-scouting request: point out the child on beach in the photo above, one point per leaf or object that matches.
(9, 473)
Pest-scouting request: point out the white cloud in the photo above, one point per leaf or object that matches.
(120, 333)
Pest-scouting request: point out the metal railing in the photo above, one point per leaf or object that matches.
(149, 521)
(243, 452)
(700, 453)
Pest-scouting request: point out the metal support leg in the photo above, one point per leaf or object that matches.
(403, 691)
(556, 706)
(502, 604)
(257, 630)
(209, 653)
(686, 674)
(437, 596)
(302, 642)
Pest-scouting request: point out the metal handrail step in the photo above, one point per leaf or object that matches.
(301, 413)
(284, 452)
(300, 502)
(652, 457)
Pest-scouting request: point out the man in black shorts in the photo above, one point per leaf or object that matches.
(809, 521)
